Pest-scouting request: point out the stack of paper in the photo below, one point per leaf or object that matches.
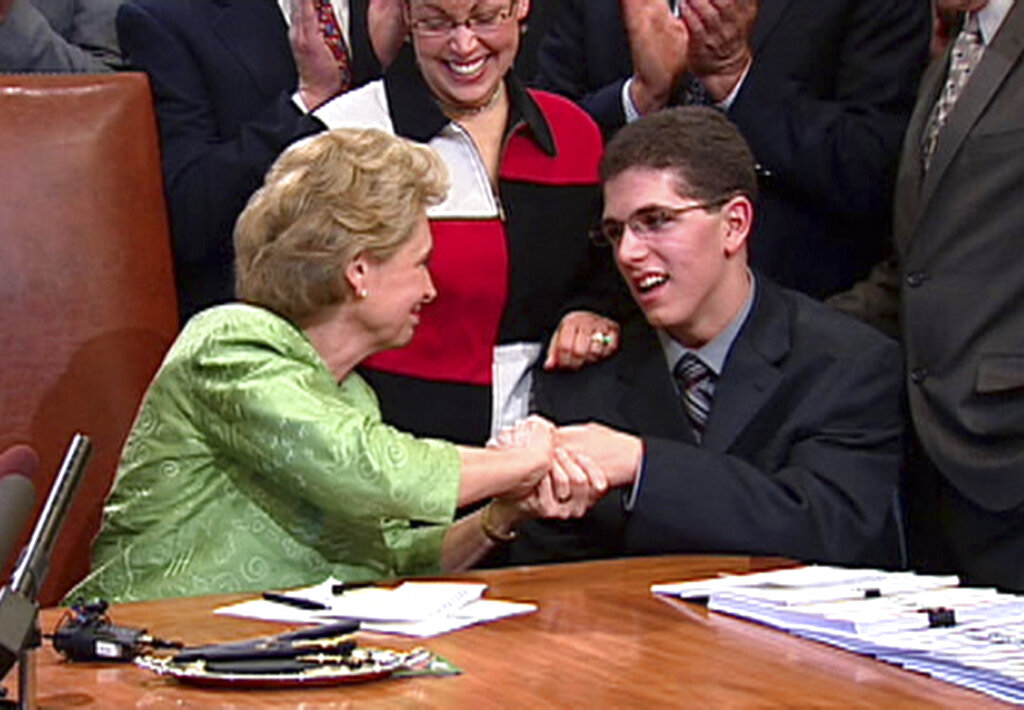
(412, 608)
(969, 636)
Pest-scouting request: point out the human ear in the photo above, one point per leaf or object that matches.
(737, 220)
(357, 273)
(523, 10)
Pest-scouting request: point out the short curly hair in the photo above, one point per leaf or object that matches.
(325, 200)
(711, 159)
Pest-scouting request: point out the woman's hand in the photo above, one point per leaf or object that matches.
(535, 437)
(582, 338)
(574, 484)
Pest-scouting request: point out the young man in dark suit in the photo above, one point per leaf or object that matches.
(737, 417)
(821, 90)
(232, 91)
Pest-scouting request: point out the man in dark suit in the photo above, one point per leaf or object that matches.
(229, 99)
(821, 89)
(783, 433)
(959, 280)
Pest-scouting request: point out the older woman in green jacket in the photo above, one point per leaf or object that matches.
(259, 459)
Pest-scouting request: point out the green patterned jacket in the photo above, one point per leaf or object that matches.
(249, 467)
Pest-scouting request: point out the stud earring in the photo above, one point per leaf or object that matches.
(363, 293)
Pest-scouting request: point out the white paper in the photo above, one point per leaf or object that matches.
(418, 609)
(885, 615)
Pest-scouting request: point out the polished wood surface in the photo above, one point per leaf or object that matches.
(600, 640)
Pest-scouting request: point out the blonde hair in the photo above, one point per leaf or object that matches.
(325, 200)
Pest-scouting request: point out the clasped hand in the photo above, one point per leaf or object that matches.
(566, 487)
(585, 460)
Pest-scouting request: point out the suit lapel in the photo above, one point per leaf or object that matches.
(255, 34)
(768, 16)
(907, 205)
(751, 374)
(647, 398)
(995, 65)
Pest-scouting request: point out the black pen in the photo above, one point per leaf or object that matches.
(297, 602)
(342, 587)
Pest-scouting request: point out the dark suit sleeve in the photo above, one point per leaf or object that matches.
(829, 501)
(209, 172)
(837, 143)
(565, 66)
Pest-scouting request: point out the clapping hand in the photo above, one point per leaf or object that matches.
(659, 45)
(387, 27)
(319, 75)
(719, 47)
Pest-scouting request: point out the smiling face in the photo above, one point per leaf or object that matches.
(465, 67)
(396, 288)
(690, 275)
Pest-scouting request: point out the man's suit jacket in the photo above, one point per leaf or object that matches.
(959, 235)
(69, 36)
(824, 109)
(801, 454)
(223, 76)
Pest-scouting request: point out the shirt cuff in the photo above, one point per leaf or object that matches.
(726, 103)
(629, 497)
(628, 107)
(299, 103)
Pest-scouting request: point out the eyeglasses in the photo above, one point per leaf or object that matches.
(482, 23)
(645, 223)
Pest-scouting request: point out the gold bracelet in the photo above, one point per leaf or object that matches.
(492, 532)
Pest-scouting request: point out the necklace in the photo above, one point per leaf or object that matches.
(456, 111)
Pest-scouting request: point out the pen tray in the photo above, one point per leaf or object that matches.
(361, 664)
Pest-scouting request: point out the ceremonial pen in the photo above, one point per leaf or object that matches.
(297, 602)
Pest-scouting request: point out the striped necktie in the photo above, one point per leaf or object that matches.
(696, 383)
(967, 50)
(335, 41)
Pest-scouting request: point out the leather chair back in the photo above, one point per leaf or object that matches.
(87, 296)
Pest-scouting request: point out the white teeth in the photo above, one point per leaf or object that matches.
(649, 282)
(467, 69)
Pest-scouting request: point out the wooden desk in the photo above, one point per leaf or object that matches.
(599, 640)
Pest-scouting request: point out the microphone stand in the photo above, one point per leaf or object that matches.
(19, 606)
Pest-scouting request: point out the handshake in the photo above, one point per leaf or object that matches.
(574, 467)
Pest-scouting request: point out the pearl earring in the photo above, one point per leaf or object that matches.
(363, 293)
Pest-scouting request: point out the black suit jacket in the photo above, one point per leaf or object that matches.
(824, 109)
(223, 77)
(801, 454)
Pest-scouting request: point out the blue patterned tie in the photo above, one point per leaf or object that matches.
(696, 384)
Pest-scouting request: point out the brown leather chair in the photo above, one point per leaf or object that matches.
(86, 281)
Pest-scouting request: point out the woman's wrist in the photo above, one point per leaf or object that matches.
(499, 520)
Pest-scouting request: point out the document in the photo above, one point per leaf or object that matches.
(970, 636)
(418, 609)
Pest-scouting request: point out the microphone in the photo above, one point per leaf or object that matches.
(18, 466)
(18, 605)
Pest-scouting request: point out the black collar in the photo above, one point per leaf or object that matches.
(416, 114)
